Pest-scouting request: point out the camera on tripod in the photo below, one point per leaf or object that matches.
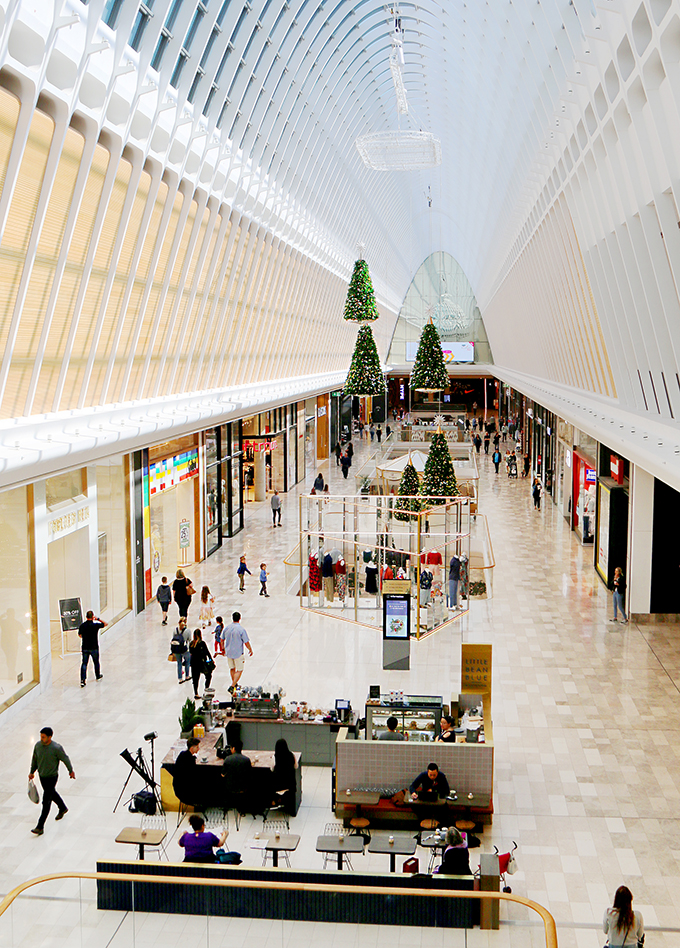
(147, 801)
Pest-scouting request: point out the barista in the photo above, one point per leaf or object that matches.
(447, 733)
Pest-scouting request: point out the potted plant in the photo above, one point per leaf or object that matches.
(188, 718)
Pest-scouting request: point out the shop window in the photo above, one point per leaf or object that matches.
(67, 487)
(211, 443)
(113, 537)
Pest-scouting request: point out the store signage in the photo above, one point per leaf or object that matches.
(259, 446)
(184, 534)
(70, 613)
(402, 391)
(396, 616)
(67, 522)
(591, 476)
(616, 468)
(396, 586)
(321, 411)
(475, 669)
(172, 471)
(337, 394)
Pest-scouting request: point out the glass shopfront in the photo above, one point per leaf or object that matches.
(113, 530)
(173, 499)
(18, 633)
(223, 492)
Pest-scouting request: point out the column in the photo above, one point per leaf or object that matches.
(260, 482)
(640, 531)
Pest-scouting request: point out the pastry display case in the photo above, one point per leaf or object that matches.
(419, 716)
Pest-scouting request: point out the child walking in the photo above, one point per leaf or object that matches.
(241, 573)
(206, 612)
(263, 580)
(164, 598)
(219, 636)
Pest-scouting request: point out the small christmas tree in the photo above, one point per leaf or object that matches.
(408, 486)
(365, 376)
(429, 372)
(439, 479)
(360, 303)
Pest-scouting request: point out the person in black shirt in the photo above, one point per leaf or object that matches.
(284, 784)
(89, 636)
(184, 774)
(430, 785)
(237, 770)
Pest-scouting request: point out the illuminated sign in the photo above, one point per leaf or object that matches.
(170, 472)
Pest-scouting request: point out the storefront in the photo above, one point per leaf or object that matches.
(612, 514)
(563, 481)
(174, 506)
(322, 427)
(584, 494)
(223, 484)
(310, 436)
(19, 670)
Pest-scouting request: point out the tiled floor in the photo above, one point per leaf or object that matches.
(586, 726)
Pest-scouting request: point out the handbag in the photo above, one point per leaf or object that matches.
(33, 792)
(172, 658)
(190, 589)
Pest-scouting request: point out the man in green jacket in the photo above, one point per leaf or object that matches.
(46, 756)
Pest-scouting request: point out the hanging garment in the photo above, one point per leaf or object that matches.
(314, 574)
(328, 588)
(368, 556)
(335, 555)
(386, 573)
(371, 578)
(327, 565)
(464, 577)
(434, 558)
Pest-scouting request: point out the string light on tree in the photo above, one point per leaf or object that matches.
(408, 486)
(360, 305)
(429, 372)
(365, 376)
(439, 479)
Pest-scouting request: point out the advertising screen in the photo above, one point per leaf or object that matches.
(396, 616)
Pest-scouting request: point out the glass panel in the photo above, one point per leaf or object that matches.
(211, 446)
(65, 487)
(18, 638)
(251, 426)
(236, 496)
(112, 520)
(236, 444)
(212, 497)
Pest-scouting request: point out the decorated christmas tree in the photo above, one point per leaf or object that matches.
(439, 479)
(360, 303)
(408, 486)
(429, 372)
(365, 376)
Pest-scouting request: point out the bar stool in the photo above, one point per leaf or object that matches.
(465, 826)
(360, 827)
(427, 826)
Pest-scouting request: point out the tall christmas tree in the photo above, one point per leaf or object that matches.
(408, 486)
(365, 376)
(360, 303)
(429, 372)
(439, 479)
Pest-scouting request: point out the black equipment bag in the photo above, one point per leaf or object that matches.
(144, 802)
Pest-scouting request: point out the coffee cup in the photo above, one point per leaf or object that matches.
(391, 840)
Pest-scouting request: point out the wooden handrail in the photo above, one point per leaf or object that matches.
(548, 920)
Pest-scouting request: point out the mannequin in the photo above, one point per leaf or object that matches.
(371, 577)
(341, 579)
(454, 579)
(464, 576)
(314, 573)
(425, 586)
(327, 573)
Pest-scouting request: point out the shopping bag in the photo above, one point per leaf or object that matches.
(33, 792)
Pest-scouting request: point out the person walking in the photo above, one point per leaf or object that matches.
(179, 647)
(487, 441)
(378, 433)
(477, 443)
(164, 598)
(263, 580)
(219, 633)
(371, 431)
(202, 662)
(89, 638)
(241, 573)
(536, 493)
(621, 924)
(276, 508)
(496, 458)
(207, 612)
(235, 637)
(619, 587)
(45, 760)
(349, 451)
(183, 590)
(345, 464)
(318, 483)
(338, 451)
(527, 464)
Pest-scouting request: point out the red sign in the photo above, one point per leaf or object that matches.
(259, 446)
(616, 468)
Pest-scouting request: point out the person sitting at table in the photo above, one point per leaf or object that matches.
(456, 857)
(184, 774)
(447, 733)
(237, 770)
(284, 777)
(430, 785)
(198, 845)
(391, 734)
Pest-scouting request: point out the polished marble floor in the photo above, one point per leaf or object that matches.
(586, 726)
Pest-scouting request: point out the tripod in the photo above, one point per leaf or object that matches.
(139, 766)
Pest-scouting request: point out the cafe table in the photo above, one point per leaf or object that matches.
(276, 844)
(340, 845)
(393, 847)
(137, 836)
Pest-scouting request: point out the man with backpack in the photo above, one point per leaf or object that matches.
(179, 647)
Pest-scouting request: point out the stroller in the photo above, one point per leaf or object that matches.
(512, 468)
(507, 865)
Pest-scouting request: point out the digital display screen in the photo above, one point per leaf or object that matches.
(342, 704)
(396, 617)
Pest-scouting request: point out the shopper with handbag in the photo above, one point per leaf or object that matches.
(623, 926)
(183, 590)
(202, 661)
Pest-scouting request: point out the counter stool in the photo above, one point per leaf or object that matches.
(465, 826)
(427, 826)
(360, 827)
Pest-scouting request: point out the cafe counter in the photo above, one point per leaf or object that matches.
(314, 739)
